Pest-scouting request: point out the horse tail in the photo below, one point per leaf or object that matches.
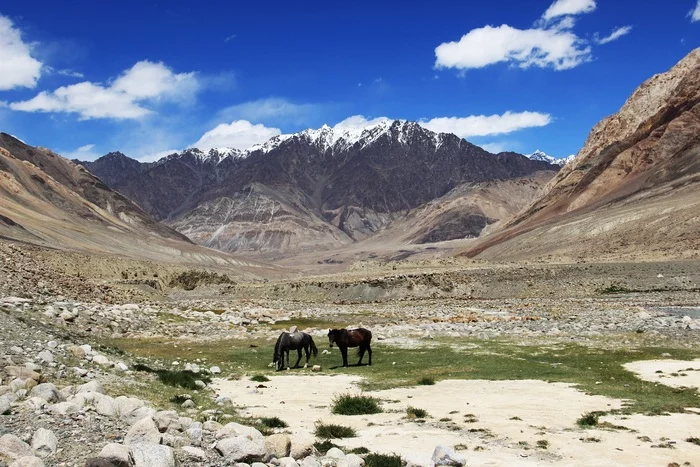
(314, 350)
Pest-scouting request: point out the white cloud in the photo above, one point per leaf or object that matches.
(557, 48)
(269, 110)
(230, 38)
(485, 125)
(359, 122)
(71, 73)
(126, 97)
(239, 134)
(496, 147)
(152, 157)
(83, 153)
(569, 7)
(19, 68)
(695, 13)
(616, 34)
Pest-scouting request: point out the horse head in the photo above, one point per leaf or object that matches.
(332, 334)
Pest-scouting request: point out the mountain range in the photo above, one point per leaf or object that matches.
(318, 188)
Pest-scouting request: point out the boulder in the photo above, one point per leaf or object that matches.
(278, 445)
(118, 454)
(335, 453)
(34, 403)
(105, 405)
(241, 449)
(28, 461)
(351, 460)
(236, 429)
(215, 370)
(194, 433)
(212, 426)
(166, 419)
(92, 386)
(44, 442)
(5, 405)
(194, 453)
(152, 455)
(310, 461)
(12, 448)
(64, 408)
(22, 372)
(46, 391)
(145, 430)
(102, 360)
(445, 455)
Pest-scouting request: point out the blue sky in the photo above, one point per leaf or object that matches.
(85, 78)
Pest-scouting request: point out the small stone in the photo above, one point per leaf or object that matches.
(195, 453)
(52, 344)
(102, 360)
(351, 460)
(335, 453)
(316, 368)
(241, 448)
(80, 371)
(278, 445)
(5, 405)
(444, 455)
(46, 391)
(200, 384)
(215, 370)
(64, 408)
(188, 404)
(45, 356)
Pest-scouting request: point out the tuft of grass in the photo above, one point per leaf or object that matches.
(614, 289)
(176, 378)
(516, 418)
(180, 398)
(591, 439)
(346, 404)
(426, 381)
(324, 446)
(589, 419)
(542, 444)
(382, 460)
(259, 378)
(413, 412)
(273, 422)
(693, 440)
(358, 450)
(331, 431)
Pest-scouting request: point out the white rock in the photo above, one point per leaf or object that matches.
(92, 386)
(316, 368)
(4, 405)
(165, 419)
(12, 448)
(195, 453)
(105, 405)
(117, 454)
(335, 453)
(52, 344)
(44, 442)
(445, 455)
(194, 433)
(152, 455)
(28, 461)
(64, 408)
(122, 366)
(241, 448)
(287, 462)
(278, 445)
(45, 356)
(236, 429)
(215, 370)
(34, 403)
(145, 430)
(80, 371)
(46, 391)
(351, 460)
(102, 360)
(415, 460)
(310, 461)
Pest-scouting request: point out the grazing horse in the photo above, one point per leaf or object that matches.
(293, 341)
(345, 338)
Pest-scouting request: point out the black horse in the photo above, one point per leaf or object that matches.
(293, 341)
(345, 338)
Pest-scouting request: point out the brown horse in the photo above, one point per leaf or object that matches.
(345, 338)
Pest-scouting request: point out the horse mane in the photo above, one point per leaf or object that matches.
(276, 354)
(314, 350)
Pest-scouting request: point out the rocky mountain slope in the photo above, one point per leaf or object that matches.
(317, 188)
(633, 189)
(48, 200)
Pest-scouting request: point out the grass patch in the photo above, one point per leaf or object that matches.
(346, 404)
(324, 446)
(175, 378)
(426, 381)
(358, 451)
(693, 440)
(332, 431)
(413, 412)
(273, 422)
(259, 378)
(589, 420)
(382, 460)
(180, 398)
(542, 444)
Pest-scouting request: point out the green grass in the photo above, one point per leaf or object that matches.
(324, 446)
(589, 420)
(596, 369)
(413, 412)
(273, 422)
(383, 460)
(693, 440)
(346, 404)
(331, 431)
(259, 378)
(426, 381)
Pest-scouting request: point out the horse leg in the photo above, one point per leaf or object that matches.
(344, 353)
(369, 351)
(362, 354)
(308, 353)
(296, 365)
(287, 351)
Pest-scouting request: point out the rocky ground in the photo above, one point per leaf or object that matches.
(62, 396)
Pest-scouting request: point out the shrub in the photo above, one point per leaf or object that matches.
(426, 381)
(259, 378)
(273, 422)
(413, 412)
(184, 379)
(346, 404)
(588, 420)
(334, 431)
(324, 446)
(382, 460)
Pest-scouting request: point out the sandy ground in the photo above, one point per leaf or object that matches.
(674, 373)
(544, 411)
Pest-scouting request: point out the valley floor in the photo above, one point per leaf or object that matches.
(519, 354)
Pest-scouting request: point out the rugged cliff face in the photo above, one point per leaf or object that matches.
(317, 188)
(636, 176)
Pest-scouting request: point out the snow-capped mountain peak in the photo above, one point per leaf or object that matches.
(543, 156)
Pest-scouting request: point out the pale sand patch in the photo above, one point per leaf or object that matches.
(547, 412)
(647, 370)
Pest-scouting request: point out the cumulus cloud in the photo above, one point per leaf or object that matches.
(19, 68)
(695, 13)
(129, 96)
(569, 7)
(616, 34)
(556, 47)
(83, 153)
(359, 122)
(485, 125)
(239, 134)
